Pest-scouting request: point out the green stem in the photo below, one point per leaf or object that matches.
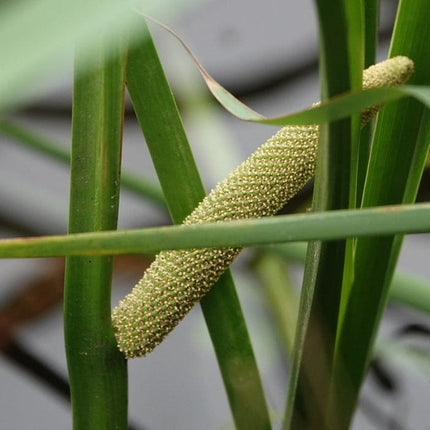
(97, 370)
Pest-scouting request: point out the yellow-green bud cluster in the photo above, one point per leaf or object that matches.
(259, 187)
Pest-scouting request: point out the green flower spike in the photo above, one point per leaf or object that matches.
(259, 187)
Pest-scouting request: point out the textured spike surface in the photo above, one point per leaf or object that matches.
(259, 187)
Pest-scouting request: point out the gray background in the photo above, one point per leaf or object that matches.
(178, 386)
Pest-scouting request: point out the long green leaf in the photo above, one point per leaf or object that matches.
(395, 166)
(348, 104)
(371, 21)
(97, 370)
(161, 124)
(332, 225)
(341, 64)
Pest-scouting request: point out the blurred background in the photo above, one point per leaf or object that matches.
(265, 53)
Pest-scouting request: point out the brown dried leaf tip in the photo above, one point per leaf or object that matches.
(259, 187)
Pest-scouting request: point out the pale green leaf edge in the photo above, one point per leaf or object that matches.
(330, 225)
